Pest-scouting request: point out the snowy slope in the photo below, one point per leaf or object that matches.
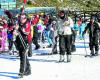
(46, 67)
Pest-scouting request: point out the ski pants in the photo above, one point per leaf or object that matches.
(10, 42)
(24, 63)
(65, 44)
(94, 43)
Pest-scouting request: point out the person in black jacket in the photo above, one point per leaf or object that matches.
(93, 29)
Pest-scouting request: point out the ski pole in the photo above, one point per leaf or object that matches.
(85, 47)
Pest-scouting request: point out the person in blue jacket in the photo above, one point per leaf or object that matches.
(81, 29)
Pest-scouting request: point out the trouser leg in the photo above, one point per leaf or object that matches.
(54, 49)
(61, 47)
(30, 50)
(35, 42)
(10, 44)
(24, 63)
(68, 47)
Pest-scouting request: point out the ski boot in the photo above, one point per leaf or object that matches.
(96, 53)
(27, 73)
(21, 75)
(68, 58)
(61, 58)
(92, 53)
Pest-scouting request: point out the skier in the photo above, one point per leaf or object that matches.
(23, 38)
(94, 29)
(64, 32)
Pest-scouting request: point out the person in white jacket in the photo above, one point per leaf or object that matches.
(65, 25)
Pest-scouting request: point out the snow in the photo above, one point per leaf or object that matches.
(46, 67)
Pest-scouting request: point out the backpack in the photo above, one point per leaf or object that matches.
(67, 27)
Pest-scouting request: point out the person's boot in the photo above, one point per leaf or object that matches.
(61, 58)
(10, 52)
(96, 53)
(37, 47)
(92, 53)
(68, 58)
(55, 52)
(27, 73)
(20, 75)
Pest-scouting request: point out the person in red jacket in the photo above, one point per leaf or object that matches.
(79, 21)
(35, 31)
(23, 39)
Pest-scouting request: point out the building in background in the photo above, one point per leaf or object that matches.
(8, 4)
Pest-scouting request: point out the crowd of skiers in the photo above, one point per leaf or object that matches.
(23, 31)
(43, 27)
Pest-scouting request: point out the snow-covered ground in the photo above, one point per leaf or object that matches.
(46, 67)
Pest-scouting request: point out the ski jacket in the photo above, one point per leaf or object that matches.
(25, 30)
(93, 29)
(64, 26)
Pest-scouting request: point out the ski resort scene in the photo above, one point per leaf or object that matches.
(49, 39)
